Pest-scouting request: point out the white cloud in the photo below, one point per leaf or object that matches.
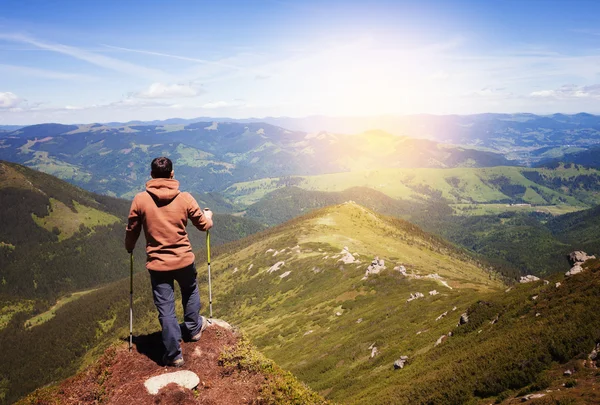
(440, 75)
(569, 91)
(90, 57)
(9, 100)
(161, 90)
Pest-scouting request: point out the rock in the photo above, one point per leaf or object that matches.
(532, 396)
(594, 353)
(275, 267)
(464, 318)
(218, 322)
(414, 296)
(375, 267)
(308, 332)
(338, 314)
(574, 270)
(359, 320)
(235, 270)
(568, 373)
(546, 282)
(401, 362)
(495, 320)
(579, 256)
(535, 297)
(441, 340)
(454, 309)
(251, 265)
(284, 275)
(558, 285)
(347, 257)
(528, 279)
(400, 269)
(537, 314)
(184, 378)
(374, 352)
(441, 316)
(433, 292)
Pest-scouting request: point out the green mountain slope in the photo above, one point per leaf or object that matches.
(291, 290)
(306, 303)
(462, 187)
(210, 156)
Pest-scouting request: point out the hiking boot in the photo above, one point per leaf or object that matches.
(198, 335)
(173, 363)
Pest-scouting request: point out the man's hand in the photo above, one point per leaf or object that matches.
(208, 213)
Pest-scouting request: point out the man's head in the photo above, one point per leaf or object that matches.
(161, 168)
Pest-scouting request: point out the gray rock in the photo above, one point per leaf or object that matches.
(414, 296)
(401, 362)
(568, 373)
(441, 340)
(401, 269)
(532, 396)
(374, 352)
(528, 279)
(574, 270)
(433, 292)
(184, 378)
(579, 256)
(376, 266)
(464, 318)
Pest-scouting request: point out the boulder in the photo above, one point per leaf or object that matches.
(441, 340)
(528, 279)
(184, 378)
(414, 296)
(441, 316)
(347, 257)
(568, 373)
(275, 267)
(376, 266)
(557, 285)
(401, 362)
(574, 270)
(464, 318)
(579, 256)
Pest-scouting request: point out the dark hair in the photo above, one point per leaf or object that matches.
(161, 167)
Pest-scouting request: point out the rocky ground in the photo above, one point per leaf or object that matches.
(228, 372)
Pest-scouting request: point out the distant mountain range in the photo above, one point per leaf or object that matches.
(210, 156)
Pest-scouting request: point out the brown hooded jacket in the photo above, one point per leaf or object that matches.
(162, 210)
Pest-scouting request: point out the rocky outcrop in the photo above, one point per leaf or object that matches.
(577, 257)
(275, 267)
(376, 266)
(401, 362)
(414, 296)
(347, 257)
(528, 279)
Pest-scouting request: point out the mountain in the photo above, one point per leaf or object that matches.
(586, 157)
(50, 232)
(210, 156)
(464, 188)
(333, 297)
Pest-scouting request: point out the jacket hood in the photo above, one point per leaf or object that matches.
(163, 190)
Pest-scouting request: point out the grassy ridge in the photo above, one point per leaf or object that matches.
(573, 186)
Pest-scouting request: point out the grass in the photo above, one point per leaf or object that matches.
(65, 222)
(10, 309)
(277, 314)
(494, 209)
(457, 185)
(50, 313)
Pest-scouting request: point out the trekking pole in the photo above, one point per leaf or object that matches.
(130, 301)
(209, 281)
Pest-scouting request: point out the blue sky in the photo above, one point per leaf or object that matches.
(98, 61)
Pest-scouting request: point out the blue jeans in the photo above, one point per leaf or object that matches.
(164, 299)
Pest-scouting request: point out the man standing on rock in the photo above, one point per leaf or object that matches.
(163, 211)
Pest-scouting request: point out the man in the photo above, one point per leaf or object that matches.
(163, 211)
